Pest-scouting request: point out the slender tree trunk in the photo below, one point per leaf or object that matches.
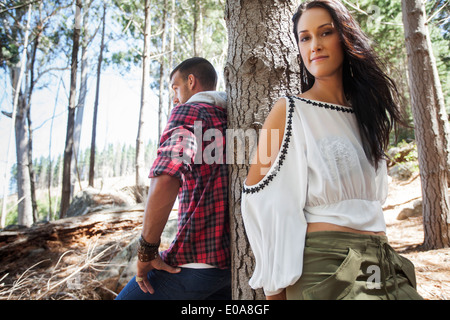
(30, 163)
(431, 126)
(50, 171)
(198, 29)
(25, 207)
(162, 71)
(140, 149)
(195, 28)
(262, 66)
(29, 90)
(66, 185)
(81, 98)
(171, 48)
(25, 211)
(97, 93)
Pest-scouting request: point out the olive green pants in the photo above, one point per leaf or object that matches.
(342, 265)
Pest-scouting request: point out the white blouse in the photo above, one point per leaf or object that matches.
(321, 174)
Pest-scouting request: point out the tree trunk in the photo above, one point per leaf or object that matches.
(431, 127)
(197, 36)
(68, 151)
(81, 98)
(97, 90)
(262, 66)
(24, 208)
(30, 163)
(162, 71)
(30, 67)
(50, 184)
(140, 149)
(171, 52)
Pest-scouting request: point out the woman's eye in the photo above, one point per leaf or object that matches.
(304, 39)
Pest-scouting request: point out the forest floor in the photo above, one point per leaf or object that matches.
(66, 266)
(406, 237)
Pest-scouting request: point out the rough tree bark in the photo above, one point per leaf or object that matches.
(262, 66)
(431, 126)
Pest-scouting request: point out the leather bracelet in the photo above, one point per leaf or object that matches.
(147, 251)
(148, 244)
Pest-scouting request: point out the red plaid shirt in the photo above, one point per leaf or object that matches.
(203, 233)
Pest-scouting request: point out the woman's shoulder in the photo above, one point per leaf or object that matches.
(277, 115)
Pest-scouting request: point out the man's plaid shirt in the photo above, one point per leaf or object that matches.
(203, 233)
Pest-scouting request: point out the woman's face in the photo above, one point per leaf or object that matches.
(319, 43)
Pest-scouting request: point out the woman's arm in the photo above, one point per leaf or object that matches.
(279, 296)
(269, 144)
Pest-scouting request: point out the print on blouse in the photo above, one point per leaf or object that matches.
(339, 155)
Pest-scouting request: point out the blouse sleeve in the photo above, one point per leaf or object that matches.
(274, 221)
(381, 181)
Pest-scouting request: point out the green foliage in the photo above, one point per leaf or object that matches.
(439, 28)
(411, 155)
(45, 213)
(125, 59)
(11, 217)
(9, 52)
(405, 155)
(382, 21)
(197, 25)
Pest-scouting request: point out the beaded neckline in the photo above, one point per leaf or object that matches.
(326, 105)
(282, 155)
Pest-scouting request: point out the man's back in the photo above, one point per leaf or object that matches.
(192, 148)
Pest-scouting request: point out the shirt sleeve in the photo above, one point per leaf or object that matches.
(178, 145)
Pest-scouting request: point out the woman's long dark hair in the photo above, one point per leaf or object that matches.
(373, 94)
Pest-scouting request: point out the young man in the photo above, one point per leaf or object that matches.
(197, 264)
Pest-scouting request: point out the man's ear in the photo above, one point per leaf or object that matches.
(191, 81)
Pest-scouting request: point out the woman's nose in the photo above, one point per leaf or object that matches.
(316, 45)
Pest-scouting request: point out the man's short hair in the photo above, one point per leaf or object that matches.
(201, 68)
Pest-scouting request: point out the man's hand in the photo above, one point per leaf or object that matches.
(144, 267)
(161, 198)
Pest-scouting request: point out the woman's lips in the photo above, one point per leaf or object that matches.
(319, 58)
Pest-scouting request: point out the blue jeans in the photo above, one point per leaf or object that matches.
(188, 284)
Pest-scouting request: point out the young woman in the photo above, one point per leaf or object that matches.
(313, 215)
